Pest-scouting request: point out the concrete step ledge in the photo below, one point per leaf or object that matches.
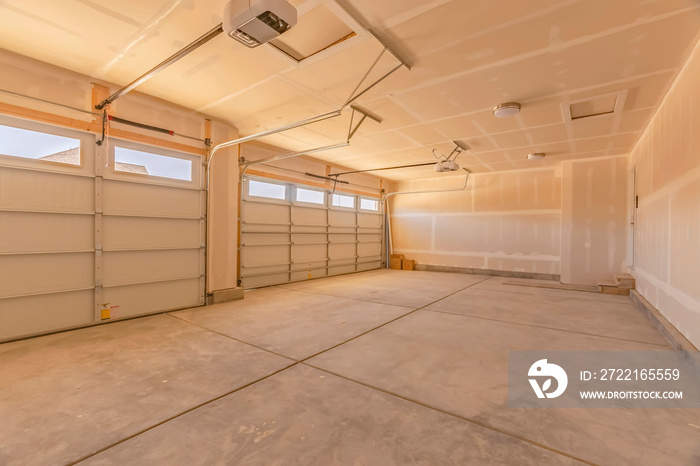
(491, 272)
(224, 296)
(675, 338)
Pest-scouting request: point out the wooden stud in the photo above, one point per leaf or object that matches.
(44, 117)
(92, 127)
(207, 135)
(99, 94)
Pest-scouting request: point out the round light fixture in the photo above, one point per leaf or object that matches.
(507, 109)
(536, 155)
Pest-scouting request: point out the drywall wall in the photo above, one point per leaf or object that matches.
(223, 212)
(502, 221)
(667, 230)
(594, 203)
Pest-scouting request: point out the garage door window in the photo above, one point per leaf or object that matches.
(369, 204)
(267, 190)
(17, 142)
(343, 201)
(147, 163)
(310, 196)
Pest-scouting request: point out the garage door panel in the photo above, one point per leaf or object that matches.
(309, 216)
(38, 232)
(308, 253)
(61, 228)
(265, 213)
(42, 273)
(308, 238)
(369, 265)
(299, 231)
(321, 236)
(148, 266)
(147, 298)
(267, 280)
(369, 220)
(341, 219)
(31, 315)
(124, 198)
(314, 270)
(259, 239)
(45, 191)
(150, 233)
(265, 256)
(341, 251)
(340, 268)
(369, 249)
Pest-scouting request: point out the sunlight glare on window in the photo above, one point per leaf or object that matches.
(343, 201)
(146, 163)
(17, 142)
(369, 204)
(268, 190)
(312, 197)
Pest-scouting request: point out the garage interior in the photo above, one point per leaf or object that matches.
(321, 248)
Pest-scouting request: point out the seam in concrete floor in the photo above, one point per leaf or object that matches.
(230, 337)
(457, 416)
(410, 400)
(269, 375)
(143, 431)
(379, 302)
(547, 328)
(389, 322)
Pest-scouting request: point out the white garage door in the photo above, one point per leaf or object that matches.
(77, 248)
(293, 232)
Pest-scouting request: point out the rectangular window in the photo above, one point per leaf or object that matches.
(146, 163)
(268, 190)
(343, 201)
(369, 204)
(310, 196)
(27, 144)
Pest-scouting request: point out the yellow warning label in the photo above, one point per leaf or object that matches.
(105, 314)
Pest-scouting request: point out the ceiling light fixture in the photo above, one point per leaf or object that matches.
(506, 109)
(535, 156)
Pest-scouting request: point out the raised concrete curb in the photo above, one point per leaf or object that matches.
(494, 273)
(675, 338)
(224, 296)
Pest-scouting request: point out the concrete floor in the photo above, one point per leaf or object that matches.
(378, 368)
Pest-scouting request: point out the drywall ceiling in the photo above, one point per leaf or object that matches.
(466, 57)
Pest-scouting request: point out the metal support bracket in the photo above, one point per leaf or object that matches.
(365, 114)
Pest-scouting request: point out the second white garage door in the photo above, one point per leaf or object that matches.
(292, 232)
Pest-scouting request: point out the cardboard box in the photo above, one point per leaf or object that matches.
(408, 264)
(395, 261)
